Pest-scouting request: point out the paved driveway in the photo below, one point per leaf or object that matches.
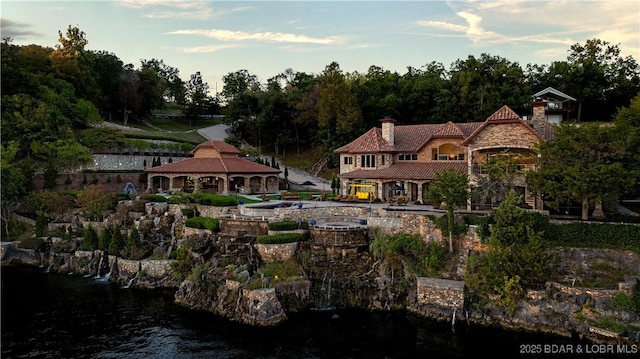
(216, 133)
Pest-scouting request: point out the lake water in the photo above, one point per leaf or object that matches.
(49, 315)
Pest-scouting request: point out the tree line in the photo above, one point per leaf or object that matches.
(52, 96)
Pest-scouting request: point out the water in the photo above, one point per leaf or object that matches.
(50, 315)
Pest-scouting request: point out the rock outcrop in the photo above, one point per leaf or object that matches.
(223, 275)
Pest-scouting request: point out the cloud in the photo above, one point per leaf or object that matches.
(16, 30)
(209, 49)
(228, 35)
(541, 22)
(179, 9)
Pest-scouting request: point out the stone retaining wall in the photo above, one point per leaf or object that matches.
(347, 238)
(441, 292)
(276, 252)
(240, 227)
(156, 269)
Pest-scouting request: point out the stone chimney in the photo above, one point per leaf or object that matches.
(538, 111)
(387, 129)
(539, 117)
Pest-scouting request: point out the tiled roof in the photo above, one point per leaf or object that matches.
(220, 146)
(408, 171)
(370, 141)
(213, 165)
(547, 132)
(411, 138)
(504, 113)
(229, 162)
(448, 129)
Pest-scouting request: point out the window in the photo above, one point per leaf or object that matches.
(450, 157)
(368, 161)
(348, 160)
(408, 157)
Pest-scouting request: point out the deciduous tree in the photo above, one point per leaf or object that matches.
(452, 189)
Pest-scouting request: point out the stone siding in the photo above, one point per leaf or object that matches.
(505, 135)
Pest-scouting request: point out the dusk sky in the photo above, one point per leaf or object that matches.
(268, 37)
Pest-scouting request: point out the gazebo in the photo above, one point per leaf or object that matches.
(216, 167)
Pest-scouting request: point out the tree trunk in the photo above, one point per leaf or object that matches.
(585, 208)
(451, 221)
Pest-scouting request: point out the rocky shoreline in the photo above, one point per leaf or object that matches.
(339, 273)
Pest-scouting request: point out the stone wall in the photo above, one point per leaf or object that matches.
(276, 252)
(343, 238)
(156, 269)
(102, 161)
(108, 181)
(443, 293)
(240, 227)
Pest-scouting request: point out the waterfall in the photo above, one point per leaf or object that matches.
(108, 275)
(41, 259)
(453, 319)
(173, 230)
(99, 266)
(88, 274)
(325, 292)
(131, 281)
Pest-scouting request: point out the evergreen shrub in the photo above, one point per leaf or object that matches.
(211, 224)
(280, 238)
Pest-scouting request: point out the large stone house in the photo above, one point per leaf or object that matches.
(402, 160)
(216, 167)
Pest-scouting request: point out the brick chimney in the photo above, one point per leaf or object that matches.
(387, 129)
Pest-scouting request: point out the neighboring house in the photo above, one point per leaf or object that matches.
(215, 167)
(555, 106)
(403, 160)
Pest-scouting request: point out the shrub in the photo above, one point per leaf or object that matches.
(211, 224)
(217, 200)
(594, 235)
(442, 223)
(280, 238)
(287, 225)
(157, 198)
(41, 226)
(482, 224)
(422, 258)
(190, 212)
(90, 241)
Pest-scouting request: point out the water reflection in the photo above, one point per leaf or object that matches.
(49, 315)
